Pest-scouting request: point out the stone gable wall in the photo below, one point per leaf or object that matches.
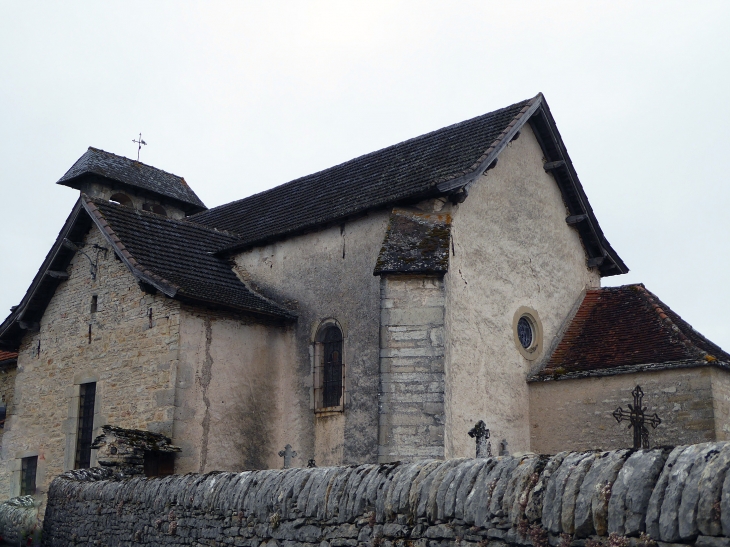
(622, 498)
(132, 356)
(511, 249)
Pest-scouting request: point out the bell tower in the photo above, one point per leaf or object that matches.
(131, 183)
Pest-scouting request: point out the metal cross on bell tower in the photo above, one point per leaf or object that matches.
(637, 419)
(481, 434)
(139, 142)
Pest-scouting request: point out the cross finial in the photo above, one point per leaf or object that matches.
(637, 419)
(481, 434)
(287, 454)
(139, 142)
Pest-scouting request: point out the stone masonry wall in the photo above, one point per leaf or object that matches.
(131, 354)
(576, 414)
(7, 388)
(411, 420)
(622, 498)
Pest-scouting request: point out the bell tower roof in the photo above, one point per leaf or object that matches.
(125, 172)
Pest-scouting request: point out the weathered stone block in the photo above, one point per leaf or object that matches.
(631, 491)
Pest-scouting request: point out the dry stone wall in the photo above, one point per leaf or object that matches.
(622, 498)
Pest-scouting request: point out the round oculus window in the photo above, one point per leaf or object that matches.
(524, 332)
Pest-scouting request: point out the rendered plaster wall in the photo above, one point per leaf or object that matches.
(620, 498)
(411, 368)
(234, 391)
(328, 275)
(512, 249)
(577, 414)
(132, 356)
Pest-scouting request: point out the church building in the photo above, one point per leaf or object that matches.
(370, 312)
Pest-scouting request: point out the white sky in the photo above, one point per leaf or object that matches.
(239, 97)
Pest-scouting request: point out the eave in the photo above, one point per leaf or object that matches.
(27, 315)
(629, 369)
(599, 252)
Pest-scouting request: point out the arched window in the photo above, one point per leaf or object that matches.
(329, 370)
(122, 199)
(155, 208)
(159, 209)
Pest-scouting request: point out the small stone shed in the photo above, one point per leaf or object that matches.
(621, 337)
(134, 452)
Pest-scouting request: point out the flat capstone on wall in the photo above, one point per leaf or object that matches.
(622, 498)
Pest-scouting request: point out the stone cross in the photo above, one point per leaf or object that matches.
(481, 434)
(637, 419)
(287, 454)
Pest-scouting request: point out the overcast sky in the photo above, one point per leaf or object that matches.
(239, 97)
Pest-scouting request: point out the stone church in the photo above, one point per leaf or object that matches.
(371, 312)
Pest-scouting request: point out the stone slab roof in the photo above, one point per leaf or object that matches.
(627, 329)
(415, 243)
(132, 173)
(176, 257)
(135, 438)
(411, 168)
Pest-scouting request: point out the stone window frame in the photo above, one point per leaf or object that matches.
(317, 366)
(532, 317)
(16, 471)
(73, 394)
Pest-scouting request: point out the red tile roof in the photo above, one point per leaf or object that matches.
(626, 327)
(7, 355)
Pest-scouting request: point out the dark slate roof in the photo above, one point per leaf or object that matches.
(415, 242)
(176, 257)
(627, 329)
(412, 168)
(437, 163)
(133, 173)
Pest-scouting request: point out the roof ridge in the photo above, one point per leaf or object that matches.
(183, 221)
(672, 324)
(379, 150)
(495, 143)
(95, 149)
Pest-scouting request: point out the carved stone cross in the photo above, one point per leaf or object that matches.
(481, 434)
(287, 454)
(637, 419)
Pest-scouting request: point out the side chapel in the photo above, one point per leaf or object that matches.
(371, 312)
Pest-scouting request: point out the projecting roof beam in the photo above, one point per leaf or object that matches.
(549, 166)
(596, 261)
(575, 219)
(63, 276)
